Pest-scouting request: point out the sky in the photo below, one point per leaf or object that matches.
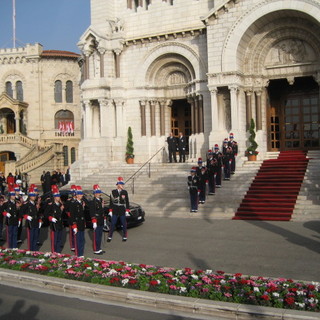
(56, 24)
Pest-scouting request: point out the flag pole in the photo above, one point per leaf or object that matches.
(14, 22)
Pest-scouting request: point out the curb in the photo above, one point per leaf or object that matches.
(103, 294)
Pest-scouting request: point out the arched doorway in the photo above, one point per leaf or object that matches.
(294, 114)
(6, 156)
(7, 121)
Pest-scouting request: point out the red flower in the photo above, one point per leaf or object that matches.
(289, 300)
(265, 297)
(133, 281)
(220, 272)
(153, 283)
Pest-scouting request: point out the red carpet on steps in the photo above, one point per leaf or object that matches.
(273, 193)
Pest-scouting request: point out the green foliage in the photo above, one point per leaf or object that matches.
(129, 148)
(251, 150)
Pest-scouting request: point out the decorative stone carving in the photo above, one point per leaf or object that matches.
(116, 25)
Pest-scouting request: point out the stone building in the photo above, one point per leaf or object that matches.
(40, 110)
(205, 68)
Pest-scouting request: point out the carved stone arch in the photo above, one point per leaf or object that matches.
(164, 66)
(259, 48)
(235, 38)
(13, 75)
(162, 54)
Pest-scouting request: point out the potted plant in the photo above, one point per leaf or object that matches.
(251, 151)
(129, 147)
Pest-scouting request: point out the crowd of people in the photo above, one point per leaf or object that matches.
(57, 177)
(209, 173)
(33, 211)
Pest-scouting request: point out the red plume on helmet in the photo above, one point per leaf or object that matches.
(120, 181)
(96, 189)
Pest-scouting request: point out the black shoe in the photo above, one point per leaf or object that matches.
(98, 252)
(109, 239)
(19, 241)
(124, 239)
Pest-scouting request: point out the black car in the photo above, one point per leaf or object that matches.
(137, 214)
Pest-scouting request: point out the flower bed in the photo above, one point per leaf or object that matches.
(278, 293)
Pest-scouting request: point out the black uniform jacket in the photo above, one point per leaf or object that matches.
(97, 212)
(119, 201)
(30, 209)
(11, 207)
(77, 215)
(54, 211)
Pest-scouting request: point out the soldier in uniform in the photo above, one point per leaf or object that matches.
(30, 212)
(212, 171)
(182, 144)
(19, 199)
(172, 147)
(234, 145)
(78, 221)
(1, 216)
(98, 218)
(193, 186)
(219, 157)
(11, 212)
(227, 158)
(203, 180)
(119, 209)
(67, 206)
(54, 213)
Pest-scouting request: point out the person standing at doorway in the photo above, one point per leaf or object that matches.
(172, 147)
(234, 145)
(182, 144)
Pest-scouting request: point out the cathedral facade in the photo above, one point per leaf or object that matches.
(204, 68)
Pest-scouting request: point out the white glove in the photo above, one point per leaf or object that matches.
(29, 218)
(127, 214)
(19, 223)
(110, 214)
(94, 225)
(75, 230)
(40, 224)
(8, 215)
(54, 220)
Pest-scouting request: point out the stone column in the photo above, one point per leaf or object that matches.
(105, 117)
(101, 52)
(201, 126)
(234, 107)
(88, 119)
(17, 120)
(143, 117)
(119, 118)
(192, 107)
(117, 62)
(196, 114)
(248, 108)
(214, 109)
(152, 118)
(162, 119)
(258, 109)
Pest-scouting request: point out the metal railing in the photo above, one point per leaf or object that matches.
(148, 162)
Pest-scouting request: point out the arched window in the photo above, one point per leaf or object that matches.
(69, 92)
(64, 123)
(58, 91)
(73, 155)
(9, 90)
(65, 156)
(19, 90)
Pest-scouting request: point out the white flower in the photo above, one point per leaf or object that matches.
(183, 289)
(47, 254)
(276, 294)
(89, 268)
(42, 260)
(300, 304)
(124, 281)
(208, 271)
(256, 289)
(96, 264)
(223, 282)
(300, 293)
(178, 272)
(194, 276)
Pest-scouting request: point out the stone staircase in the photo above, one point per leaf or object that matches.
(308, 203)
(165, 193)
